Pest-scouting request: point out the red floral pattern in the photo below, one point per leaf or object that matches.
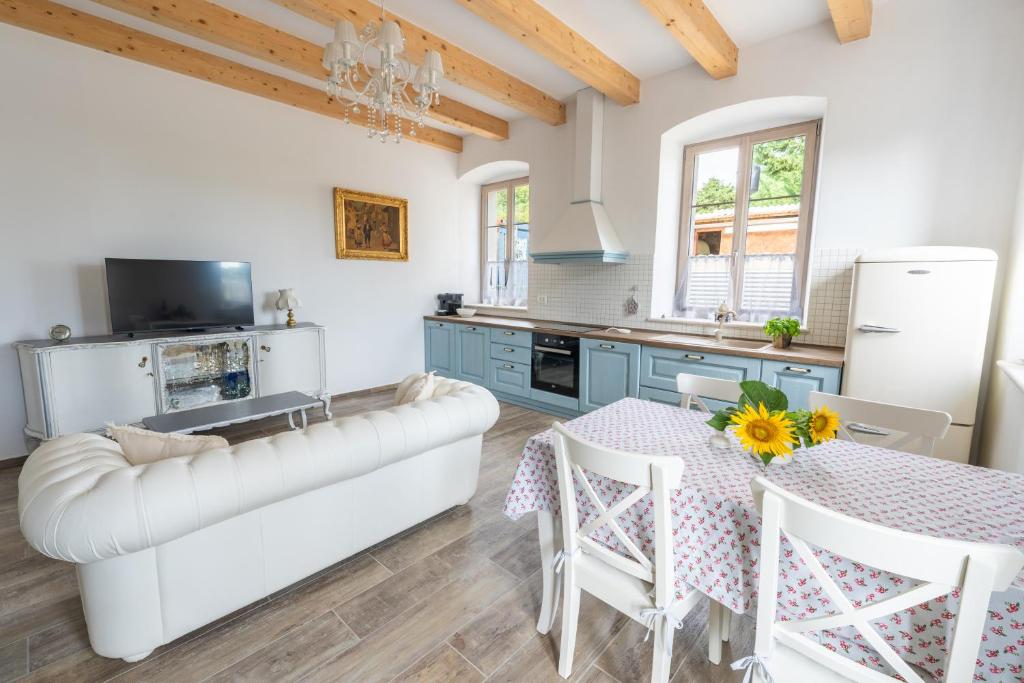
(717, 527)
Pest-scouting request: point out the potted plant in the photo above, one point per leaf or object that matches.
(782, 331)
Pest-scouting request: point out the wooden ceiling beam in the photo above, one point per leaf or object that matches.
(234, 31)
(544, 33)
(693, 25)
(59, 21)
(460, 67)
(852, 19)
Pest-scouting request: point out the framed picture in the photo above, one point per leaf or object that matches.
(370, 226)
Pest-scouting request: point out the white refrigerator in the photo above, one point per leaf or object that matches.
(917, 331)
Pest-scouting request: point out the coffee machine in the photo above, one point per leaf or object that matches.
(448, 303)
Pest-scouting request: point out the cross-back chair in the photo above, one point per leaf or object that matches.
(901, 428)
(939, 565)
(631, 583)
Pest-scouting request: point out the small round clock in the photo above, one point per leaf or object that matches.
(60, 333)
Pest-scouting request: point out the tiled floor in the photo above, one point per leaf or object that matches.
(453, 599)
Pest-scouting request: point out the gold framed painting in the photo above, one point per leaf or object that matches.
(370, 226)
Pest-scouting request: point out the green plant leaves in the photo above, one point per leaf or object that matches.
(756, 392)
(780, 327)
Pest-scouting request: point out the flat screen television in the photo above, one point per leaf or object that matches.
(151, 295)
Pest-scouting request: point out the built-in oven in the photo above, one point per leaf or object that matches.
(556, 364)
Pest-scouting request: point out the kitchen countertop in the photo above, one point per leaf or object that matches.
(829, 356)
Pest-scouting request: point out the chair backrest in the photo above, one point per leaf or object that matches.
(901, 428)
(695, 388)
(650, 474)
(976, 569)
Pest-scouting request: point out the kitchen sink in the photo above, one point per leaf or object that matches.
(747, 344)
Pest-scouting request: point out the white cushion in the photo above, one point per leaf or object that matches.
(419, 389)
(403, 386)
(142, 446)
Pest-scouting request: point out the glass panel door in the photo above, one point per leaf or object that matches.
(496, 249)
(194, 374)
(712, 231)
(771, 237)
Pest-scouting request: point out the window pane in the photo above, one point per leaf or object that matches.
(521, 248)
(522, 204)
(773, 223)
(497, 240)
(711, 230)
(497, 207)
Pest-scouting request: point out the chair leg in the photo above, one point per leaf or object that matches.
(570, 620)
(715, 632)
(662, 667)
(726, 623)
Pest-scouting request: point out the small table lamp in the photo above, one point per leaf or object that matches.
(288, 301)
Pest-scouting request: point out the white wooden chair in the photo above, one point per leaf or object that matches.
(643, 590)
(938, 565)
(695, 389)
(911, 430)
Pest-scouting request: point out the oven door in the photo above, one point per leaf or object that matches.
(554, 370)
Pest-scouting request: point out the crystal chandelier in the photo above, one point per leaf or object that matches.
(390, 92)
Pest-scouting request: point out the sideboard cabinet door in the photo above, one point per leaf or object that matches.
(92, 386)
(290, 361)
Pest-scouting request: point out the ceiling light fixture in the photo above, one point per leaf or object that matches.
(389, 93)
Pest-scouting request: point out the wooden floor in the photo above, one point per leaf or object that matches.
(453, 599)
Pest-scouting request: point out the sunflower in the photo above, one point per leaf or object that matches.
(823, 425)
(765, 433)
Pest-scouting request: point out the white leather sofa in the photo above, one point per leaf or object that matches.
(167, 547)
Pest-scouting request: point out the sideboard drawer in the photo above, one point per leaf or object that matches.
(512, 337)
(517, 354)
(659, 366)
(510, 378)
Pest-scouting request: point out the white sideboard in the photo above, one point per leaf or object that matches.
(82, 384)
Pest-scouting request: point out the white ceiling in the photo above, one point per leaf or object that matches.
(622, 29)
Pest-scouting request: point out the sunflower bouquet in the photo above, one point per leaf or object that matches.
(767, 428)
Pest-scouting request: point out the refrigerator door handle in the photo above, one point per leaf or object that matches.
(866, 429)
(879, 329)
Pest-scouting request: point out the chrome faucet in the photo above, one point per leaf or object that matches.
(722, 316)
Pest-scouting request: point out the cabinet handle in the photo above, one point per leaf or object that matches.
(508, 349)
(693, 356)
(878, 329)
(802, 371)
(471, 329)
(508, 334)
(149, 374)
(142, 363)
(509, 366)
(264, 347)
(607, 346)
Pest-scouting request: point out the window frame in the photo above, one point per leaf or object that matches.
(510, 237)
(745, 142)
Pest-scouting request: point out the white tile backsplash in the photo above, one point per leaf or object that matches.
(597, 293)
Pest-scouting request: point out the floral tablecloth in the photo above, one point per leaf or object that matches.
(717, 526)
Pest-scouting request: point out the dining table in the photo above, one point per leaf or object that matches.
(716, 527)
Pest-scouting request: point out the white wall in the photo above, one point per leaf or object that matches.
(1002, 441)
(922, 142)
(100, 156)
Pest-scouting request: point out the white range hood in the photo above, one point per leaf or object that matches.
(584, 233)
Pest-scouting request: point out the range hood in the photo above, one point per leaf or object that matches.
(584, 234)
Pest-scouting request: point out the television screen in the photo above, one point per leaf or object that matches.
(149, 295)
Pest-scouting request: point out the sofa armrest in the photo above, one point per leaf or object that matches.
(79, 500)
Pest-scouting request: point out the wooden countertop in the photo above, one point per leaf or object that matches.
(797, 353)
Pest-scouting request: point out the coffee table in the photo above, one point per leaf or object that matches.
(223, 414)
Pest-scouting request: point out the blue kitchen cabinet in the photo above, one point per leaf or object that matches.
(659, 367)
(439, 347)
(472, 344)
(609, 371)
(674, 398)
(509, 377)
(798, 380)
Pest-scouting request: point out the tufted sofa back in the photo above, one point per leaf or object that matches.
(81, 501)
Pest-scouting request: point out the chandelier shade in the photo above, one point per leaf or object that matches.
(391, 91)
